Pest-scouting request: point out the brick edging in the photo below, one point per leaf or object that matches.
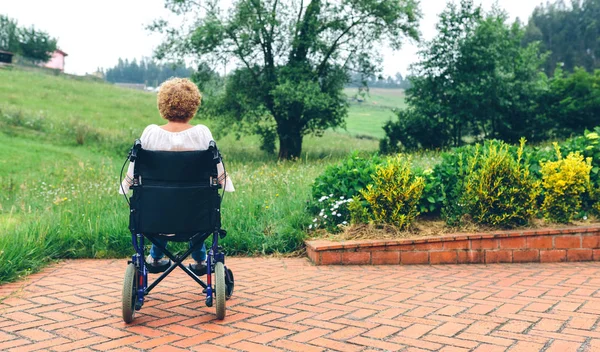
(581, 243)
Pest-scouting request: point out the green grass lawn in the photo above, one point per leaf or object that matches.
(366, 118)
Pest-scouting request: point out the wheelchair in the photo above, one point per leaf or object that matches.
(175, 193)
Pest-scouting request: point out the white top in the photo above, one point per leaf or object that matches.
(195, 138)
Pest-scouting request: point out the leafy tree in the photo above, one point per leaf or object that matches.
(145, 72)
(9, 34)
(500, 82)
(33, 44)
(474, 80)
(36, 45)
(435, 94)
(569, 32)
(294, 57)
(573, 101)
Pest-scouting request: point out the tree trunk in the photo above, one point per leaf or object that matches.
(290, 142)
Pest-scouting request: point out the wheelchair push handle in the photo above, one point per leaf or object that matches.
(212, 146)
(137, 145)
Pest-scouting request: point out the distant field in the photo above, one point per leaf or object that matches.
(367, 118)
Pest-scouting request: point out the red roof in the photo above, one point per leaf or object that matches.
(61, 52)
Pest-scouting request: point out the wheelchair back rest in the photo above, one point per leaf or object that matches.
(175, 192)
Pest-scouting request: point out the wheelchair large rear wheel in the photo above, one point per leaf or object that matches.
(129, 293)
(220, 288)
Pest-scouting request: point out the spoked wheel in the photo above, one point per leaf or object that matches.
(220, 288)
(129, 293)
(229, 282)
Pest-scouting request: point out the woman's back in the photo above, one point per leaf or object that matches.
(155, 137)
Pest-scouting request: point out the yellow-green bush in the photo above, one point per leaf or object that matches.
(393, 196)
(498, 189)
(564, 182)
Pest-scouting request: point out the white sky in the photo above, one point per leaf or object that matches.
(95, 34)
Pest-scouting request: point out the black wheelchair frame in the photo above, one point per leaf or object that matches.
(151, 187)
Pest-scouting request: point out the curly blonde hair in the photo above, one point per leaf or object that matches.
(178, 99)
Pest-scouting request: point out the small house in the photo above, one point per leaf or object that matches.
(57, 61)
(6, 57)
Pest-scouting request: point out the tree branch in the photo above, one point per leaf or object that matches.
(333, 47)
(243, 58)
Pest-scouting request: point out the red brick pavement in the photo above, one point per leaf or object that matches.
(291, 305)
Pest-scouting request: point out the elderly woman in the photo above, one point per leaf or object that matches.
(178, 102)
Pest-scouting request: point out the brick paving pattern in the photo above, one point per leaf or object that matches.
(291, 305)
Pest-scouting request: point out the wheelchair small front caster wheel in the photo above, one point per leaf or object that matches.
(209, 301)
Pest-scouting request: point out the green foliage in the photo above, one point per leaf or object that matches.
(498, 190)
(588, 146)
(31, 43)
(410, 132)
(347, 177)
(432, 198)
(451, 173)
(9, 34)
(297, 86)
(564, 182)
(337, 185)
(360, 210)
(393, 196)
(572, 102)
(569, 31)
(474, 80)
(145, 71)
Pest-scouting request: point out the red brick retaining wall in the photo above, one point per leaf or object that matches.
(573, 244)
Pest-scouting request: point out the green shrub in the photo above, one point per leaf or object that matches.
(335, 187)
(347, 177)
(393, 196)
(432, 198)
(588, 146)
(595, 200)
(498, 190)
(564, 183)
(410, 132)
(450, 173)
